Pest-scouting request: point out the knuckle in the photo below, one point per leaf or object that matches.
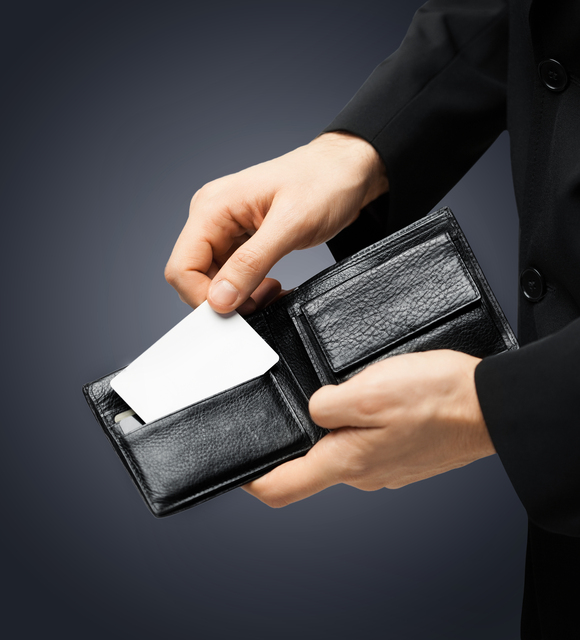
(171, 274)
(358, 467)
(274, 499)
(278, 503)
(208, 189)
(205, 192)
(368, 406)
(248, 261)
(197, 196)
(368, 485)
(371, 401)
(357, 463)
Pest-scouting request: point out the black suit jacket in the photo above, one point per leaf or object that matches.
(466, 71)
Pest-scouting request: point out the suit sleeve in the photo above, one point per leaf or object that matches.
(431, 110)
(530, 403)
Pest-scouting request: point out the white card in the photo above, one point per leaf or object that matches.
(204, 354)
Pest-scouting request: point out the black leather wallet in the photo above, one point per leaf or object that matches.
(418, 289)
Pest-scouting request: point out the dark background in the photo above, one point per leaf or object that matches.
(113, 115)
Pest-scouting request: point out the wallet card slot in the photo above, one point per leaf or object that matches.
(215, 445)
(368, 313)
(105, 403)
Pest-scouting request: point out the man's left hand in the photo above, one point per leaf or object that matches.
(398, 421)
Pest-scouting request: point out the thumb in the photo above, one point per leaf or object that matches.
(322, 467)
(246, 268)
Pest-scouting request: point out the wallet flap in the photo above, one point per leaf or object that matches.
(388, 303)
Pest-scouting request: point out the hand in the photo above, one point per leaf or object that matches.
(239, 226)
(398, 421)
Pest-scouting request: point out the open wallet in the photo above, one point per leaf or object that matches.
(416, 290)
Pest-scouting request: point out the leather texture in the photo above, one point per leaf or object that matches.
(399, 297)
(418, 289)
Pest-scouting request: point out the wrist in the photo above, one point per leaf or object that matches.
(363, 157)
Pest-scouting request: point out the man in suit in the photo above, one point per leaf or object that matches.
(465, 72)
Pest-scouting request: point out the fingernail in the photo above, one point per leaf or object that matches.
(224, 293)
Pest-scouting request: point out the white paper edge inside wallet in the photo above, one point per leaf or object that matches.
(204, 354)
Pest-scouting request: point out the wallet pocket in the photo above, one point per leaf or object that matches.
(399, 301)
(217, 444)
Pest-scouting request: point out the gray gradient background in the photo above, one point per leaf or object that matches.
(113, 115)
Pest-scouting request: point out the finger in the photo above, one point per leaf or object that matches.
(266, 292)
(187, 266)
(247, 268)
(265, 299)
(300, 478)
(200, 251)
(281, 294)
(346, 405)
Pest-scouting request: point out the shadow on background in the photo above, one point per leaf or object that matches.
(114, 113)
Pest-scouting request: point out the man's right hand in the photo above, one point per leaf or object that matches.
(239, 226)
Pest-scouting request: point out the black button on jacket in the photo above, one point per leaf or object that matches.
(466, 71)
